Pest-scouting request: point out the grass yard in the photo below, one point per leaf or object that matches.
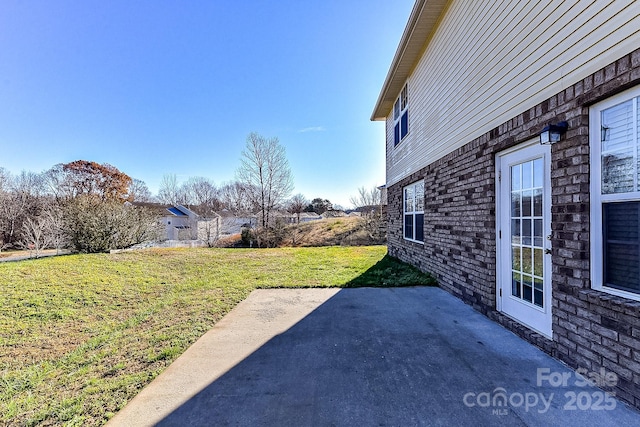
(80, 335)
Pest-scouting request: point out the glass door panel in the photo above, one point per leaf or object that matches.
(527, 261)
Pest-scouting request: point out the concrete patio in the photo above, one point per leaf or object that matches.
(392, 356)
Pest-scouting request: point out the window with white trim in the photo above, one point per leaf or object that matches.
(413, 201)
(401, 116)
(615, 194)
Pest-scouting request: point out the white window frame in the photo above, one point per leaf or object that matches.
(597, 199)
(400, 108)
(414, 212)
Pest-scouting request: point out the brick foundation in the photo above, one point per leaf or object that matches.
(591, 329)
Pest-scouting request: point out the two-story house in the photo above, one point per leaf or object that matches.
(540, 232)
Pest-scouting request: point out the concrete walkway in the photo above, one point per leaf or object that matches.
(24, 255)
(364, 357)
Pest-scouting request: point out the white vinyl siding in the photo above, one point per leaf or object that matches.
(614, 132)
(490, 61)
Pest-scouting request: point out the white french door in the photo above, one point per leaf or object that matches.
(523, 239)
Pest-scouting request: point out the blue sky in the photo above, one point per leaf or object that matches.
(175, 87)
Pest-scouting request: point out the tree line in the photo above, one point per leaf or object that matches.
(91, 207)
(82, 205)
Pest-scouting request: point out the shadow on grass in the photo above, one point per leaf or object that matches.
(391, 272)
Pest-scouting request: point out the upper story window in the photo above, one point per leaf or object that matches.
(615, 194)
(413, 202)
(401, 116)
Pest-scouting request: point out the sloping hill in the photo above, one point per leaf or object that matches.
(344, 231)
(328, 232)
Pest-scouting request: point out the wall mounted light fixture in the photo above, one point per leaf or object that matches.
(552, 133)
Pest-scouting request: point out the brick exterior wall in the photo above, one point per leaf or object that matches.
(591, 329)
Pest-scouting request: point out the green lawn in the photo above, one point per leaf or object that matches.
(80, 335)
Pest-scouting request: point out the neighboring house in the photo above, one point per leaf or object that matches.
(293, 218)
(544, 239)
(180, 224)
(333, 213)
(232, 224)
(308, 216)
(184, 224)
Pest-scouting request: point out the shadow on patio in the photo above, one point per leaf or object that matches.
(390, 356)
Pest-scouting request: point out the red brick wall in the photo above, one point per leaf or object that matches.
(591, 329)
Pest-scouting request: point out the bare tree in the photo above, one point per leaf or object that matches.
(209, 230)
(264, 169)
(366, 198)
(134, 224)
(34, 235)
(55, 227)
(235, 197)
(59, 183)
(5, 176)
(369, 203)
(169, 191)
(139, 192)
(202, 194)
(297, 204)
(20, 198)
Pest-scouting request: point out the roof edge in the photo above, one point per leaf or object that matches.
(409, 50)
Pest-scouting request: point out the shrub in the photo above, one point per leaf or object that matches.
(95, 225)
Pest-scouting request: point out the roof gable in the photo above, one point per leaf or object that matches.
(175, 211)
(422, 23)
(180, 210)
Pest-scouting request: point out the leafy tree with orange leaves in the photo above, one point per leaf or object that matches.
(102, 180)
(95, 215)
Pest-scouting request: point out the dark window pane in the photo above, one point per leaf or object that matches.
(537, 202)
(515, 232)
(621, 267)
(621, 221)
(516, 285)
(420, 227)
(622, 245)
(538, 298)
(408, 226)
(515, 204)
(526, 231)
(538, 292)
(527, 291)
(396, 134)
(404, 125)
(537, 233)
(526, 203)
